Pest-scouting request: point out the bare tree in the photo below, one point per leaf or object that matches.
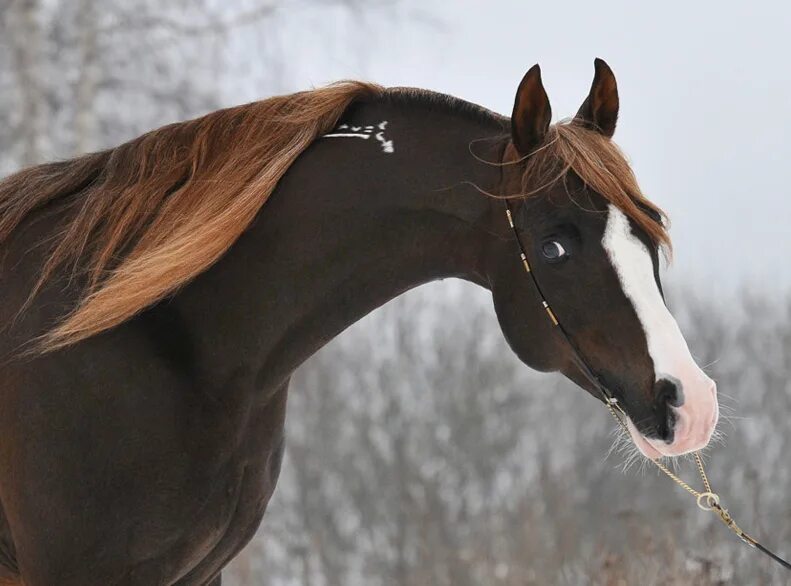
(89, 72)
(22, 29)
(421, 452)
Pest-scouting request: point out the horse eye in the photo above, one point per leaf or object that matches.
(553, 250)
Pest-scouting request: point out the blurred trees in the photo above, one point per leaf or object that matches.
(86, 74)
(79, 75)
(420, 451)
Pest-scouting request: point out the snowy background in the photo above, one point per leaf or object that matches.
(419, 450)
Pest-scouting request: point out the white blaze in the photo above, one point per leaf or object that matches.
(666, 345)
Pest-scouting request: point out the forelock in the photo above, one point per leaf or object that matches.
(601, 166)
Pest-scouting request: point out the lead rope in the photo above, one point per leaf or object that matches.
(707, 500)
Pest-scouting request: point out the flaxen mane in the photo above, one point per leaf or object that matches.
(148, 216)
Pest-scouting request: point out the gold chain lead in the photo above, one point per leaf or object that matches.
(707, 500)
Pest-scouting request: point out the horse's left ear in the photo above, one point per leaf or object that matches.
(532, 113)
(599, 111)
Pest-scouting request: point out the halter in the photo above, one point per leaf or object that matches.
(707, 499)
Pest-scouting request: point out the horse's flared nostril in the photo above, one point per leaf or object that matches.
(667, 394)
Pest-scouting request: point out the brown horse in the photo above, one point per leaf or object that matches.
(153, 308)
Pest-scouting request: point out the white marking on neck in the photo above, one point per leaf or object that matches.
(387, 145)
(635, 269)
(364, 132)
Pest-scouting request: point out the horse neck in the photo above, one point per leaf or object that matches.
(349, 227)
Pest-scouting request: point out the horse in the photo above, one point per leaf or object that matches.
(156, 298)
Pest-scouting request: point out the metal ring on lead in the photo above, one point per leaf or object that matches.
(712, 501)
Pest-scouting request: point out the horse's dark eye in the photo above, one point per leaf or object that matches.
(553, 250)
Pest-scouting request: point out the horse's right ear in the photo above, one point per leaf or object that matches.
(532, 113)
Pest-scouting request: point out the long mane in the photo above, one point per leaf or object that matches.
(148, 216)
(145, 218)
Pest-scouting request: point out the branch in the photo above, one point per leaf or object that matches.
(135, 24)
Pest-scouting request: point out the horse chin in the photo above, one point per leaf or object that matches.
(645, 445)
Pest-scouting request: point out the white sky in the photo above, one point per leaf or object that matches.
(705, 99)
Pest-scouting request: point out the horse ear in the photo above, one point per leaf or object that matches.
(532, 113)
(599, 111)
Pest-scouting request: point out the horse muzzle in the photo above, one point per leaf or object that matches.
(684, 416)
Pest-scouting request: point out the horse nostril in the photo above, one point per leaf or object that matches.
(666, 392)
(666, 395)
